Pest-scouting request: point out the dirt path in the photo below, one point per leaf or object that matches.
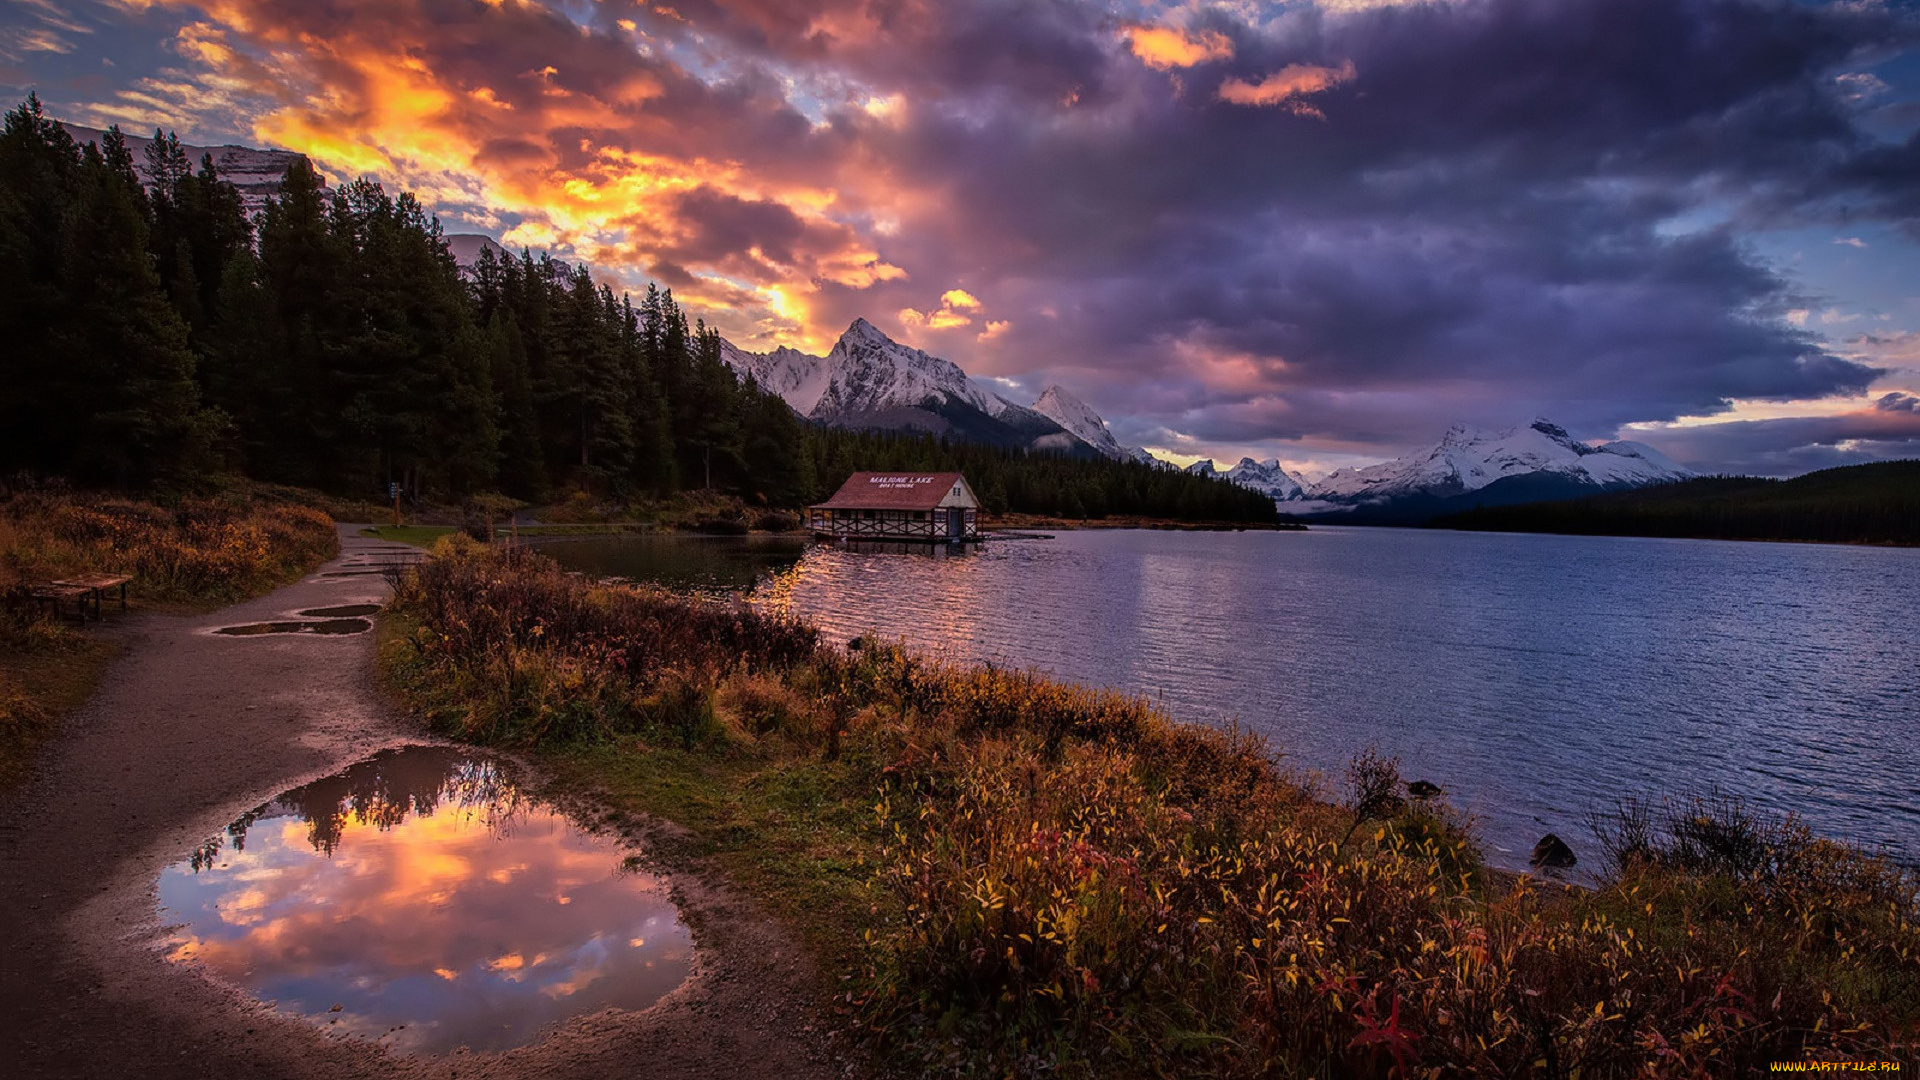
(189, 731)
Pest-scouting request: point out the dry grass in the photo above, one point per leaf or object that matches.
(201, 550)
(198, 554)
(1021, 878)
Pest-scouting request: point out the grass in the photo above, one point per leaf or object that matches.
(195, 555)
(423, 536)
(38, 687)
(1002, 875)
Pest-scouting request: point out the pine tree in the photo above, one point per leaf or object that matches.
(134, 402)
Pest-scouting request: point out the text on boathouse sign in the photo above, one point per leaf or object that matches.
(899, 506)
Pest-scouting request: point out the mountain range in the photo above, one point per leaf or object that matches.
(256, 174)
(1473, 467)
(870, 381)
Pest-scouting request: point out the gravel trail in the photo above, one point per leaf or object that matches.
(189, 730)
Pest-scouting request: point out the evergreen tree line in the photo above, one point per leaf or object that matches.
(1049, 484)
(155, 336)
(1877, 503)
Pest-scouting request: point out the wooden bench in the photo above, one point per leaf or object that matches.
(56, 598)
(83, 590)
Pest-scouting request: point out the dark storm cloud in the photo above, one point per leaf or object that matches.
(1478, 216)
(1356, 227)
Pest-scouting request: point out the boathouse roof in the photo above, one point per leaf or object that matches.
(893, 491)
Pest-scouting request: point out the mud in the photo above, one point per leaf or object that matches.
(187, 733)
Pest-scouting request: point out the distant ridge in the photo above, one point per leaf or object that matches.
(1468, 467)
(256, 174)
(1877, 503)
(1266, 477)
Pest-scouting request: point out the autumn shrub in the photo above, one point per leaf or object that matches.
(199, 549)
(1066, 882)
(531, 654)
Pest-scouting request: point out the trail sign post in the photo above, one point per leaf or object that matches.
(393, 489)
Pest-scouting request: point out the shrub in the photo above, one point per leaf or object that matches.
(200, 549)
(1066, 882)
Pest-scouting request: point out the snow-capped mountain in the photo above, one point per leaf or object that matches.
(869, 380)
(1265, 477)
(1469, 459)
(1078, 418)
(257, 174)
(871, 372)
(466, 248)
(1470, 466)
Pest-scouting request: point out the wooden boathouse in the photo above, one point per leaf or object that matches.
(899, 506)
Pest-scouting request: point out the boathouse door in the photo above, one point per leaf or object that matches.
(956, 523)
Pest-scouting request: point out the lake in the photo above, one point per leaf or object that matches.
(1534, 677)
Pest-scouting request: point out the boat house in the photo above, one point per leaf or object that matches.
(899, 506)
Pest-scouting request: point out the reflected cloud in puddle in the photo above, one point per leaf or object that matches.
(422, 898)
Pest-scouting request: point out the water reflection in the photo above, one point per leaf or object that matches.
(718, 564)
(1536, 677)
(423, 899)
(330, 627)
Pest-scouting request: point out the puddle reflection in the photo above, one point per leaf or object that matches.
(324, 626)
(422, 899)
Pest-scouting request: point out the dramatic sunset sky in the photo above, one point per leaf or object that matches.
(1321, 231)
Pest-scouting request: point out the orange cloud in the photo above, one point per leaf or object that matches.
(1164, 48)
(1286, 86)
(952, 312)
(593, 150)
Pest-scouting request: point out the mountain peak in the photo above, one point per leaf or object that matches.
(861, 329)
(1078, 418)
(1469, 459)
(1266, 477)
(870, 379)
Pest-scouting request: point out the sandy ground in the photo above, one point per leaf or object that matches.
(189, 731)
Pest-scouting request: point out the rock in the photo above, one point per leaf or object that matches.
(1553, 853)
(1422, 789)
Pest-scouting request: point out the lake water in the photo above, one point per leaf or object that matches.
(1534, 677)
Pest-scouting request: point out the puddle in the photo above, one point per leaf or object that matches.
(353, 573)
(344, 611)
(422, 899)
(324, 626)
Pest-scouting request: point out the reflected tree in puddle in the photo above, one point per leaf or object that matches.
(425, 899)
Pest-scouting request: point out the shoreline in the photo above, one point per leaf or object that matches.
(878, 800)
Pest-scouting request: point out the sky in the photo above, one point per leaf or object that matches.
(1320, 230)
